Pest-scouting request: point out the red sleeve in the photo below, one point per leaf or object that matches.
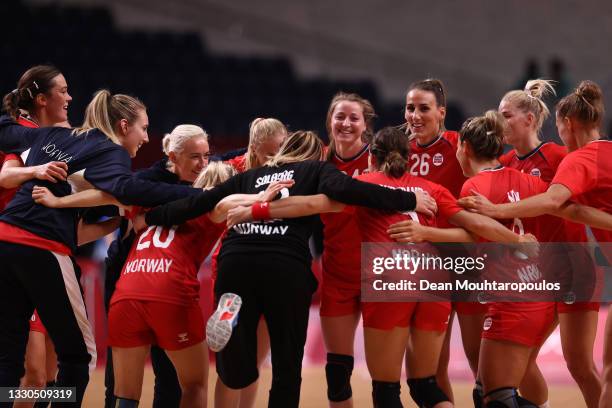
(238, 163)
(12, 156)
(576, 172)
(447, 203)
(467, 187)
(349, 210)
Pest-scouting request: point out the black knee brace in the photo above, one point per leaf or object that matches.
(502, 398)
(525, 403)
(426, 392)
(477, 395)
(338, 371)
(125, 403)
(386, 394)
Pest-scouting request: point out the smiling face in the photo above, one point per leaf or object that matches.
(192, 159)
(52, 107)
(423, 115)
(347, 123)
(134, 135)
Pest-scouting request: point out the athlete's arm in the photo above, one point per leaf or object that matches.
(13, 173)
(82, 199)
(340, 187)
(485, 227)
(235, 200)
(584, 214)
(548, 202)
(15, 138)
(410, 231)
(110, 171)
(87, 233)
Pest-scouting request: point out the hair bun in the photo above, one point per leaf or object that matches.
(590, 91)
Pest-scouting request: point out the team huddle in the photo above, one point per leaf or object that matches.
(254, 211)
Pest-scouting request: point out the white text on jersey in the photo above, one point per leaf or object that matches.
(148, 265)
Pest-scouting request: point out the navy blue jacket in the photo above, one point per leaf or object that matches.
(106, 165)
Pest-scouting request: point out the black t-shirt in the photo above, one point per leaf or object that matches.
(288, 236)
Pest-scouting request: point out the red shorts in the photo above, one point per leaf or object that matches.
(36, 325)
(470, 308)
(563, 307)
(134, 323)
(336, 301)
(429, 316)
(528, 326)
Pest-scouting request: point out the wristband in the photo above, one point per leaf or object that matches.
(260, 211)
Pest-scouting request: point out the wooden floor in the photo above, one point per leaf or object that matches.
(313, 391)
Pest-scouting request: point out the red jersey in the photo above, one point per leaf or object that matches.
(587, 173)
(505, 185)
(543, 162)
(163, 263)
(341, 258)
(374, 224)
(437, 161)
(540, 162)
(238, 163)
(6, 194)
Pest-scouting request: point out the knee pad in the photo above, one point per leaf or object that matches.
(338, 371)
(477, 395)
(125, 403)
(525, 403)
(386, 394)
(502, 398)
(426, 392)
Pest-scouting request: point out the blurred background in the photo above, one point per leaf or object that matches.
(220, 64)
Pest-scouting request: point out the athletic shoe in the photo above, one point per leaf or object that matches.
(220, 325)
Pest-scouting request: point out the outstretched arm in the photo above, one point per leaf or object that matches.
(14, 174)
(411, 231)
(545, 203)
(92, 232)
(219, 213)
(82, 199)
(290, 207)
(584, 214)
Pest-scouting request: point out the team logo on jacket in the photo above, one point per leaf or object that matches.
(536, 172)
(487, 323)
(438, 159)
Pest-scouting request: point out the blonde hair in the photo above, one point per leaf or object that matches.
(175, 140)
(530, 99)
(214, 174)
(106, 110)
(260, 130)
(300, 146)
(368, 116)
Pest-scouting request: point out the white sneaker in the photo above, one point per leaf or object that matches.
(220, 325)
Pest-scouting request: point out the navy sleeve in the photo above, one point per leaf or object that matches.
(15, 138)
(340, 187)
(229, 155)
(179, 211)
(111, 173)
